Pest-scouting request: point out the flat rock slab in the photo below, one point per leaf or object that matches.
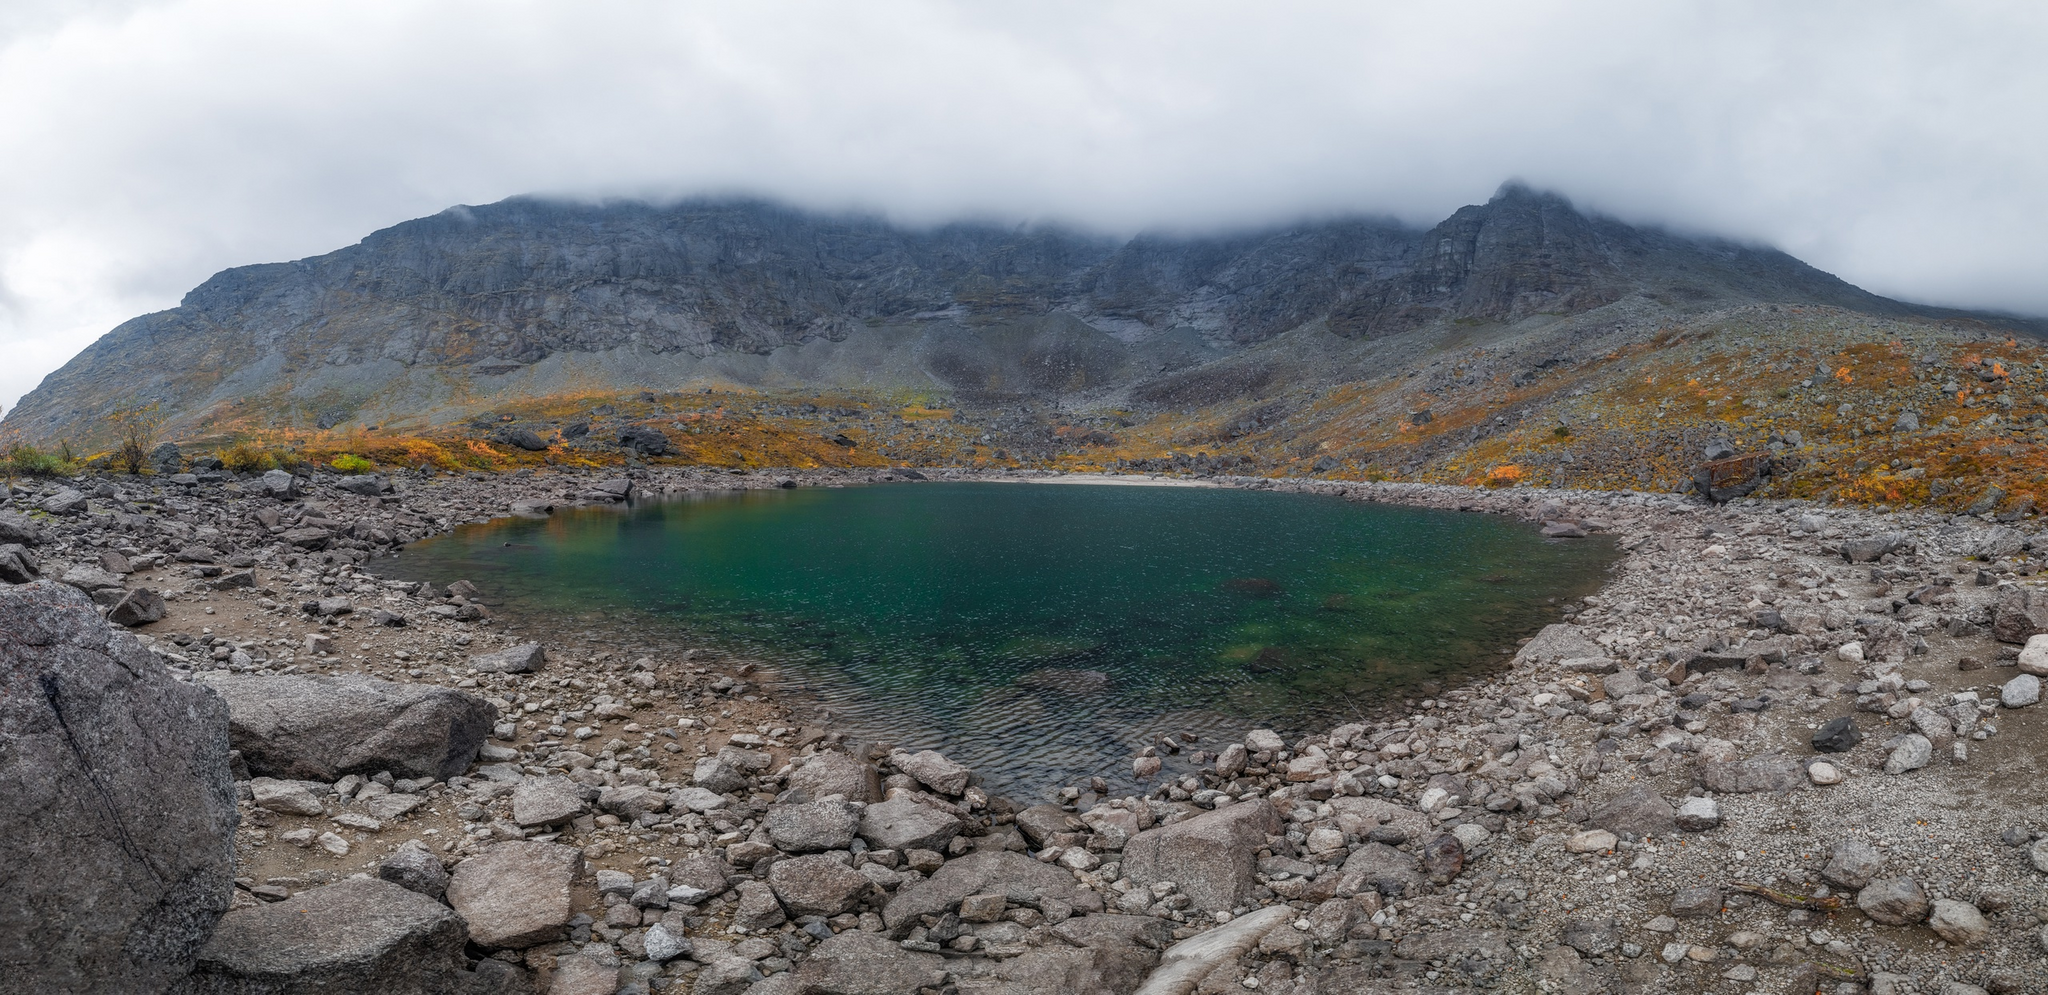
(1752, 776)
(1559, 641)
(906, 825)
(1636, 813)
(546, 801)
(934, 771)
(357, 935)
(518, 894)
(858, 963)
(521, 659)
(1212, 857)
(835, 773)
(1184, 964)
(320, 728)
(115, 803)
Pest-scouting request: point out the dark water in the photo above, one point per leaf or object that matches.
(1042, 633)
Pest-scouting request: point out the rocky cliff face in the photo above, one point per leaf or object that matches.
(442, 316)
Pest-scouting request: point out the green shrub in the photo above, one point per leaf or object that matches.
(32, 462)
(351, 463)
(245, 458)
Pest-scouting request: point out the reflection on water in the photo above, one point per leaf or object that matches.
(1041, 634)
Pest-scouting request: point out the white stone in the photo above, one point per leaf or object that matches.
(1850, 652)
(1699, 813)
(1913, 753)
(663, 945)
(333, 844)
(2034, 658)
(1591, 841)
(1822, 772)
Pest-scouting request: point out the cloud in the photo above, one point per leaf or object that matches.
(145, 145)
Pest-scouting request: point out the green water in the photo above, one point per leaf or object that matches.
(1041, 633)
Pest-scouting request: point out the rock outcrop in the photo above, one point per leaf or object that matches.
(115, 802)
(355, 936)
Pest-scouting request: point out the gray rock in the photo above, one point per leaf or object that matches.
(835, 773)
(758, 909)
(367, 485)
(718, 775)
(67, 501)
(18, 565)
(663, 945)
(115, 803)
(2020, 692)
(524, 658)
(1837, 735)
(1913, 752)
(287, 797)
(89, 578)
(19, 530)
(1893, 901)
(1852, 864)
(1697, 814)
(320, 728)
(546, 801)
(903, 824)
(1874, 548)
(644, 439)
(139, 607)
(695, 879)
(817, 884)
(812, 828)
(1636, 813)
(1020, 879)
(1696, 902)
(582, 974)
(1212, 856)
(1592, 937)
(857, 963)
(631, 801)
(934, 771)
(279, 484)
(517, 894)
(1958, 922)
(1382, 868)
(358, 935)
(415, 868)
(1040, 822)
(2018, 615)
(1559, 641)
(2038, 855)
(393, 806)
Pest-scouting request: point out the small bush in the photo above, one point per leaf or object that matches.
(351, 463)
(245, 458)
(32, 462)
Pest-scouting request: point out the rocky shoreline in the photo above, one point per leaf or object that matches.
(1656, 794)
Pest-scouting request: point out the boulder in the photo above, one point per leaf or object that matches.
(415, 868)
(1837, 735)
(278, 484)
(858, 963)
(2020, 692)
(286, 797)
(812, 827)
(1893, 901)
(644, 439)
(1020, 879)
(1873, 548)
(320, 728)
(357, 935)
(1379, 867)
(18, 565)
(1211, 856)
(516, 895)
(139, 607)
(1185, 964)
(2033, 657)
(835, 773)
(67, 501)
(2018, 615)
(19, 529)
(546, 801)
(1852, 864)
(1636, 813)
(1958, 922)
(115, 803)
(819, 884)
(903, 824)
(934, 771)
(524, 658)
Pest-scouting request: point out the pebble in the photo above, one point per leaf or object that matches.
(1823, 773)
(1591, 841)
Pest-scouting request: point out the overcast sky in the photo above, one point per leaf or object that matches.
(146, 145)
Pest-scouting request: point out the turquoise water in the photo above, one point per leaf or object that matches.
(1042, 633)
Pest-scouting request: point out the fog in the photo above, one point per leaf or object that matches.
(145, 145)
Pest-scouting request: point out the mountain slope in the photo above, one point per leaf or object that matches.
(435, 320)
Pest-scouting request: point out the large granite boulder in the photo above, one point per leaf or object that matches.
(1212, 857)
(857, 963)
(358, 935)
(835, 773)
(320, 728)
(115, 803)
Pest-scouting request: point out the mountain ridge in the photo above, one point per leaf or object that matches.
(432, 320)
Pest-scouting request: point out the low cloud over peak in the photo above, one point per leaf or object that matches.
(144, 146)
